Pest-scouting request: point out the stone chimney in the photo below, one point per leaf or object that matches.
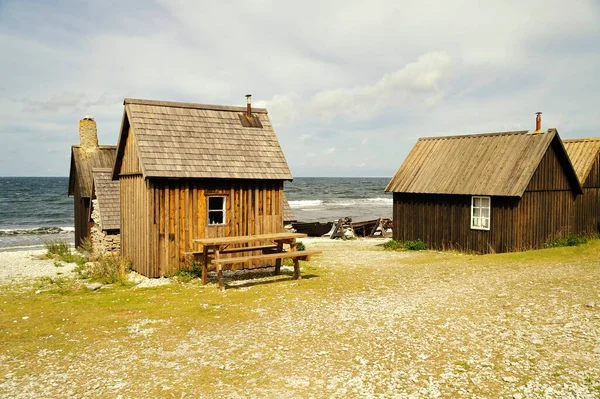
(88, 135)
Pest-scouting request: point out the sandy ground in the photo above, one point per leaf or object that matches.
(369, 324)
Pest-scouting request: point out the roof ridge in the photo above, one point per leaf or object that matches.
(461, 136)
(581, 140)
(174, 104)
(101, 169)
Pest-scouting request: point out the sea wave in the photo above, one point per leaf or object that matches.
(314, 205)
(305, 203)
(37, 231)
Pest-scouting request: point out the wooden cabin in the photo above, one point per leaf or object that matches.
(194, 171)
(585, 157)
(105, 213)
(493, 192)
(84, 157)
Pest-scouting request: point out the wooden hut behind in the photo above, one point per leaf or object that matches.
(194, 171)
(493, 192)
(585, 156)
(105, 212)
(84, 157)
(288, 213)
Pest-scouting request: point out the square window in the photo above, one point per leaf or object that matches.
(480, 213)
(216, 210)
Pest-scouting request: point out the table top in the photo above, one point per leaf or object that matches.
(244, 239)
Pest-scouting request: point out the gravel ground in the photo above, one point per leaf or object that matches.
(369, 324)
(16, 266)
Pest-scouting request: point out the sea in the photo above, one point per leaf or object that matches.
(37, 209)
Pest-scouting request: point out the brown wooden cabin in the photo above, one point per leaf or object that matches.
(493, 192)
(585, 157)
(194, 171)
(84, 157)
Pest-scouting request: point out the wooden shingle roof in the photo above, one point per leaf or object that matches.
(82, 163)
(185, 140)
(499, 164)
(583, 154)
(108, 194)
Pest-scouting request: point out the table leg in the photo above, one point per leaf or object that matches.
(205, 265)
(297, 275)
(219, 271)
(278, 261)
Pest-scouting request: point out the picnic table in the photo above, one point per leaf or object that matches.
(261, 246)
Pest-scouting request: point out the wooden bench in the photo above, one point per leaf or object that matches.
(296, 255)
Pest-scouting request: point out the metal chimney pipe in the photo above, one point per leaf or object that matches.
(538, 122)
(249, 105)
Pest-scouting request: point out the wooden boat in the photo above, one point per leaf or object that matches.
(372, 228)
(313, 229)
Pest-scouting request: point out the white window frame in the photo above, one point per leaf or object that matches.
(478, 222)
(208, 210)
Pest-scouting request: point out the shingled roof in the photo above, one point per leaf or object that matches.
(583, 154)
(499, 164)
(185, 140)
(82, 163)
(107, 193)
(288, 213)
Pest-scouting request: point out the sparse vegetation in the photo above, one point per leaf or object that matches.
(300, 246)
(393, 245)
(60, 250)
(108, 269)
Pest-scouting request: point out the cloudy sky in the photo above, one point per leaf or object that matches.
(349, 86)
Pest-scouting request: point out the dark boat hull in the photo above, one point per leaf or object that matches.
(313, 229)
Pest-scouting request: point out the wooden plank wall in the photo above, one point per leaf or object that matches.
(588, 205)
(80, 212)
(135, 245)
(443, 221)
(179, 214)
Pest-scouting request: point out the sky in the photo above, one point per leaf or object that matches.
(350, 86)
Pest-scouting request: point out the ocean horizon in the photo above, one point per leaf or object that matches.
(35, 209)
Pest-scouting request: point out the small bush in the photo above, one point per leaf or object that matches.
(416, 245)
(107, 270)
(300, 246)
(190, 270)
(565, 240)
(393, 245)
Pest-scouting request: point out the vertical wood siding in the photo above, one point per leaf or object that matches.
(134, 222)
(443, 221)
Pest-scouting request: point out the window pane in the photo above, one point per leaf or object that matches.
(476, 212)
(485, 212)
(475, 222)
(476, 202)
(215, 203)
(215, 217)
(485, 223)
(485, 202)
